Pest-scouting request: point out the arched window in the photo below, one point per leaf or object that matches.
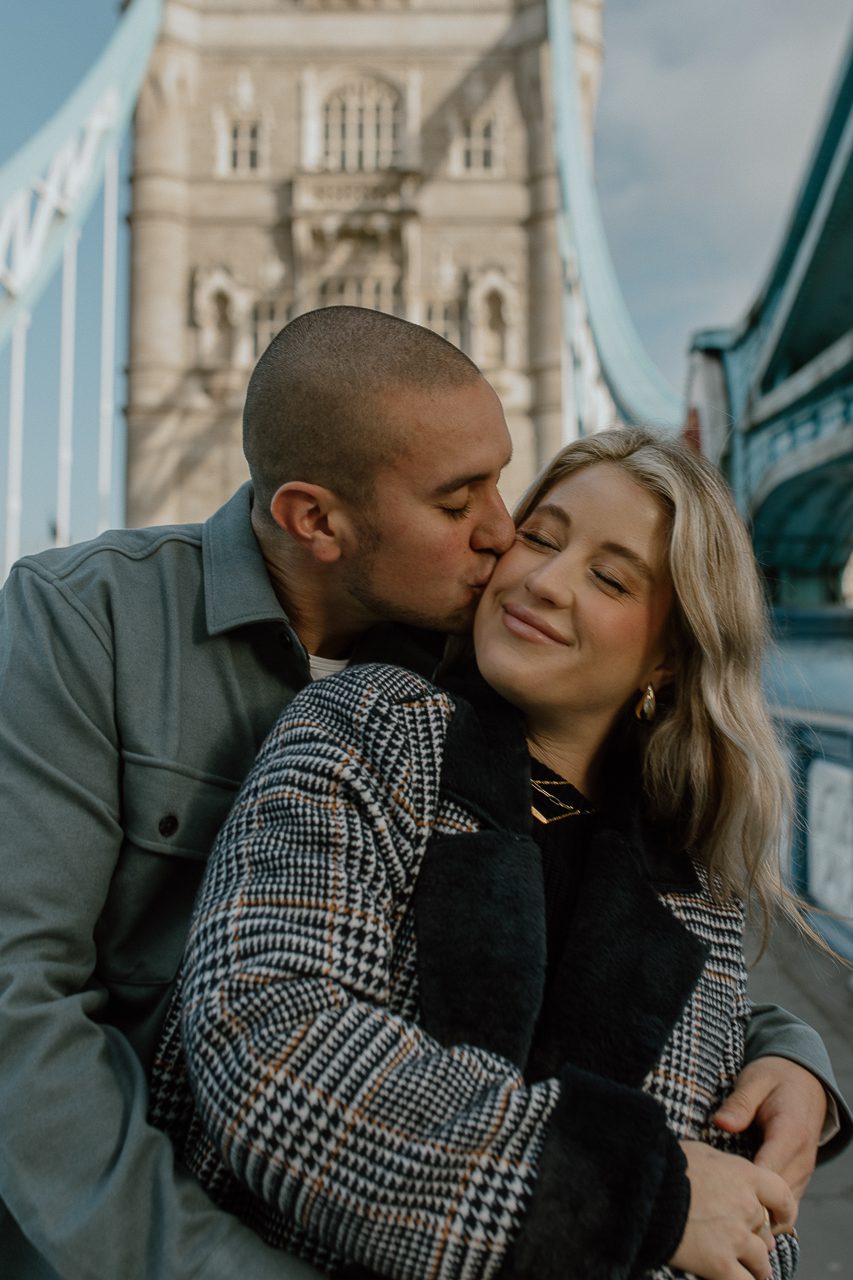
(478, 146)
(222, 346)
(362, 123)
(494, 345)
(244, 152)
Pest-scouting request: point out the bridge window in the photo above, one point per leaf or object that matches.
(362, 124)
(244, 153)
(379, 292)
(478, 146)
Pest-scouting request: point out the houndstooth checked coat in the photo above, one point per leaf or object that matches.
(342, 1065)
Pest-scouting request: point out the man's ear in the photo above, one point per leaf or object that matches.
(313, 516)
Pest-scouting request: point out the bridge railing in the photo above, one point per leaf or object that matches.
(809, 678)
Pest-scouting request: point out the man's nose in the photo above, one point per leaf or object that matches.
(495, 530)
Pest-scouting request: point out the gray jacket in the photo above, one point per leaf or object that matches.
(139, 675)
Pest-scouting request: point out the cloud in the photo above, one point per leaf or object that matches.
(707, 118)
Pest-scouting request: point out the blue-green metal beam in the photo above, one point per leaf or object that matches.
(47, 188)
(639, 389)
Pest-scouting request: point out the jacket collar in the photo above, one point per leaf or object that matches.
(238, 591)
(237, 587)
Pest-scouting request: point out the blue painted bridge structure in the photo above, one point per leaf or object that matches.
(771, 401)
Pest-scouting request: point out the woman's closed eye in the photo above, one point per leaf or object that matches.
(536, 539)
(611, 583)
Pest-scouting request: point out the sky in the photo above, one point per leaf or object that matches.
(707, 116)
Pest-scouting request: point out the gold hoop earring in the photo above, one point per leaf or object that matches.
(646, 707)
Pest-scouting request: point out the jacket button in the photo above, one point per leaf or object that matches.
(284, 638)
(168, 825)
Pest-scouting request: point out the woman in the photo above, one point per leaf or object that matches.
(426, 1042)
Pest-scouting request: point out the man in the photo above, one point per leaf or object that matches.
(139, 674)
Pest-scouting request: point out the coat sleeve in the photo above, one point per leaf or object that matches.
(372, 1141)
(89, 1189)
(774, 1031)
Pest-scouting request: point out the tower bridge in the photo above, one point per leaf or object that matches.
(442, 170)
(772, 398)
(438, 168)
(771, 401)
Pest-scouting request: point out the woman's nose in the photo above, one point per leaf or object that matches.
(552, 581)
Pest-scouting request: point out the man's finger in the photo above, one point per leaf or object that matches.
(737, 1112)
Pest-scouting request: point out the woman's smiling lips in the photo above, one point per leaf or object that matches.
(524, 623)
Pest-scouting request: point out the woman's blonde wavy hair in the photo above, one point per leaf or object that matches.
(713, 769)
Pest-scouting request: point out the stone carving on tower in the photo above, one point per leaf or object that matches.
(291, 154)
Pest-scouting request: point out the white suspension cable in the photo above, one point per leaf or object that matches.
(65, 452)
(14, 474)
(108, 342)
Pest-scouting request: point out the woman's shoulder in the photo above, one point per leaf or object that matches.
(376, 684)
(367, 705)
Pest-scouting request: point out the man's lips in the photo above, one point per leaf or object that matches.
(522, 622)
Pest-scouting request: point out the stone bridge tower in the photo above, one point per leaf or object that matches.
(291, 154)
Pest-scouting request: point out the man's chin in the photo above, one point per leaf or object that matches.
(380, 609)
(458, 625)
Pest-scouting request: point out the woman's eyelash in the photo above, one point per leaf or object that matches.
(539, 540)
(610, 582)
(536, 538)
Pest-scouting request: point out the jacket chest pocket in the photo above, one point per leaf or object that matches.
(171, 817)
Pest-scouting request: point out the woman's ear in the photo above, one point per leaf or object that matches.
(313, 517)
(664, 672)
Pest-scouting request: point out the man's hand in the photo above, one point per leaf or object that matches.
(788, 1104)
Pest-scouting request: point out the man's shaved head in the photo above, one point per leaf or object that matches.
(314, 408)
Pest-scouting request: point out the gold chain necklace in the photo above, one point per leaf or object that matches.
(569, 810)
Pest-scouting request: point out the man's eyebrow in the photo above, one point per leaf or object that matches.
(615, 548)
(460, 482)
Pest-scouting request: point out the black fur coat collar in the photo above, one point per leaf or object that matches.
(629, 965)
(625, 975)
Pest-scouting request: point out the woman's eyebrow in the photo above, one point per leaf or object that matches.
(551, 509)
(616, 548)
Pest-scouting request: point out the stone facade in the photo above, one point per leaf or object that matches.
(295, 153)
